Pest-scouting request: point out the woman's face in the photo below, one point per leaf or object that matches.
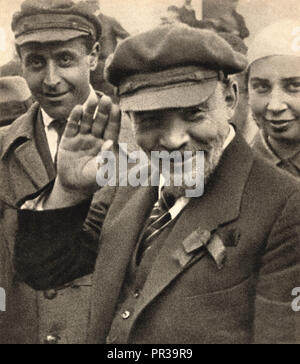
(274, 91)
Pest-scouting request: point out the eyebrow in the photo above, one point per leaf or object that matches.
(259, 79)
(288, 79)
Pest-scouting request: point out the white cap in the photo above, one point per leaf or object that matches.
(278, 39)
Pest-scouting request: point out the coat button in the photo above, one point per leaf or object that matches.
(125, 315)
(51, 294)
(136, 294)
(52, 340)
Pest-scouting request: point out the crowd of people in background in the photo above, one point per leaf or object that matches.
(230, 22)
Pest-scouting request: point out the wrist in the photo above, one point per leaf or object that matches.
(62, 196)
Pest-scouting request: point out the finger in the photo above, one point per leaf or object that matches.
(88, 115)
(72, 127)
(107, 145)
(101, 120)
(112, 131)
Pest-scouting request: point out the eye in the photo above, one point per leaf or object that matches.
(148, 122)
(65, 60)
(35, 63)
(293, 86)
(261, 88)
(194, 115)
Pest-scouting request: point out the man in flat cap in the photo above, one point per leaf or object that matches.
(172, 268)
(56, 42)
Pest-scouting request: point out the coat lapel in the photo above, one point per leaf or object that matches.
(118, 240)
(21, 162)
(217, 207)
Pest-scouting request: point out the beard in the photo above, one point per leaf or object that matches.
(212, 157)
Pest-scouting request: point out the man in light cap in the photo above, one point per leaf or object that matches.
(172, 269)
(57, 44)
(274, 87)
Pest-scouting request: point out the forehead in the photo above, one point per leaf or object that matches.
(276, 67)
(75, 45)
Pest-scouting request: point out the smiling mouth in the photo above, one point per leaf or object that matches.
(280, 124)
(55, 96)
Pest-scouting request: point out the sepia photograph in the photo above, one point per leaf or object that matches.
(149, 174)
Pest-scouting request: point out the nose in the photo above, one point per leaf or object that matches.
(277, 103)
(52, 78)
(174, 136)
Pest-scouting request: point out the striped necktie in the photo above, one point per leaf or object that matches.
(159, 219)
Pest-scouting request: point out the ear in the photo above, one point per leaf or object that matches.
(231, 92)
(94, 56)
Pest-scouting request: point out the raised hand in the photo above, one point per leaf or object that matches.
(89, 131)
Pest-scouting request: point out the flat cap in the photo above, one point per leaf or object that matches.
(170, 66)
(15, 98)
(278, 39)
(54, 20)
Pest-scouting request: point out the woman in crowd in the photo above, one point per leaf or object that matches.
(274, 91)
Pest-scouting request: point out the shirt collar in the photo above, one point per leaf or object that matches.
(48, 120)
(227, 142)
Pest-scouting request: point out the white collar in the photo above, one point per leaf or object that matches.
(48, 120)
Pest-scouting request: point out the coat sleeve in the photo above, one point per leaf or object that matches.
(276, 322)
(55, 247)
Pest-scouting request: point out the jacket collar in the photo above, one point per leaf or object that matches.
(21, 163)
(261, 146)
(20, 129)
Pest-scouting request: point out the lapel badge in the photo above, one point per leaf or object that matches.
(194, 242)
(198, 239)
(202, 239)
(217, 250)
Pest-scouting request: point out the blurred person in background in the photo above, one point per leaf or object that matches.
(242, 118)
(171, 15)
(230, 21)
(112, 32)
(12, 68)
(188, 14)
(15, 99)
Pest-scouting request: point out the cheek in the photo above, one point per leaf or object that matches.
(147, 140)
(209, 130)
(295, 106)
(258, 103)
(34, 80)
(77, 76)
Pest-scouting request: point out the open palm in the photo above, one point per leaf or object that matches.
(88, 132)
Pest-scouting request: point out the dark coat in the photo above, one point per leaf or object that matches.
(31, 317)
(261, 146)
(252, 208)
